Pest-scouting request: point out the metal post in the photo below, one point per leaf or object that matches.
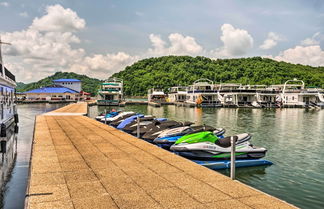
(138, 127)
(105, 116)
(232, 158)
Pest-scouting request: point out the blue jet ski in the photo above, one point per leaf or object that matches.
(108, 115)
(129, 120)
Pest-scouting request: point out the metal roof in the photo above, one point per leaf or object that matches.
(67, 80)
(50, 89)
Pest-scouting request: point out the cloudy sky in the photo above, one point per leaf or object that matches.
(101, 37)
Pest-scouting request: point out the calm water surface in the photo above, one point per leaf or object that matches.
(294, 139)
(13, 193)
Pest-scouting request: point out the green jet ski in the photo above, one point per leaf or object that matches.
(206, 146)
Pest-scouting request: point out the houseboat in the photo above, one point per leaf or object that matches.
(111, 92)
(177, 94)
(227, 94)
(8, 114)
(238, 95)
(294, 94)
(203, 93)
(156, 95)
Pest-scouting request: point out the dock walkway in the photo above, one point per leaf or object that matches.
(78, 162)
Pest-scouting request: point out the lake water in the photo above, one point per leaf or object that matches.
(13, 193)
(294, 139)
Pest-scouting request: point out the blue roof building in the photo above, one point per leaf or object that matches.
(62, 89)
(52, 90)
(66, 80)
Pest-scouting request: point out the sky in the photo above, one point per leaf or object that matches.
(99, 38)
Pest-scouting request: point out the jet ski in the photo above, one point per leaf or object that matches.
(206, 146)
(151, 134)
(150, 126)
(115, 123)
(170, 136)
(108, 115)
(120, 115)
(129, 120)
(144, 121)
(180, 131)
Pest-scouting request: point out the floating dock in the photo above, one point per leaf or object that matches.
(78, 162)
(223, 164)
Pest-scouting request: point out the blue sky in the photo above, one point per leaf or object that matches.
(108, 35)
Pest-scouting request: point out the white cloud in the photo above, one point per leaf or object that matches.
(314, 40)
(158, 44)
(306, 55)
(178, 45)
(46, 47)
(271, 41)
(236, 41)
(58, 19)
(4, 4)
(100, 65)
(23, 14)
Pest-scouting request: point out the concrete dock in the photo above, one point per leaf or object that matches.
(78, 162)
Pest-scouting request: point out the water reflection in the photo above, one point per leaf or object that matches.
(8, 153)
(18, 156)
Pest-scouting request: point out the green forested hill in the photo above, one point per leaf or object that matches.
(168, 71)
(88, 84)
(165, 72)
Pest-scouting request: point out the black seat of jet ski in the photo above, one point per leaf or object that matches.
(226, 141)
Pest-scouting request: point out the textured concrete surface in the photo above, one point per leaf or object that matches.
(78, 162)
(76, 108)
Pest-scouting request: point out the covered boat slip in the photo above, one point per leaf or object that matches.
(78, 162)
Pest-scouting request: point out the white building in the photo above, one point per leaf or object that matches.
(73, 84)
(62, 89)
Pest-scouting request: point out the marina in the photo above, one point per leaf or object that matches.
(95, 164)
(136, 105)
(204, 93)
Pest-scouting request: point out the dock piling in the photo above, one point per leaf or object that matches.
(138, 127)
(232, 158)
(105, 116)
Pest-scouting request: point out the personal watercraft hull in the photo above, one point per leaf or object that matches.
(168, 141)
(201, 155)
(144, 121)
(129, 120)
(154, 127)
(116, 122)
(109, 115)
(155, 131)
(117, 117)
